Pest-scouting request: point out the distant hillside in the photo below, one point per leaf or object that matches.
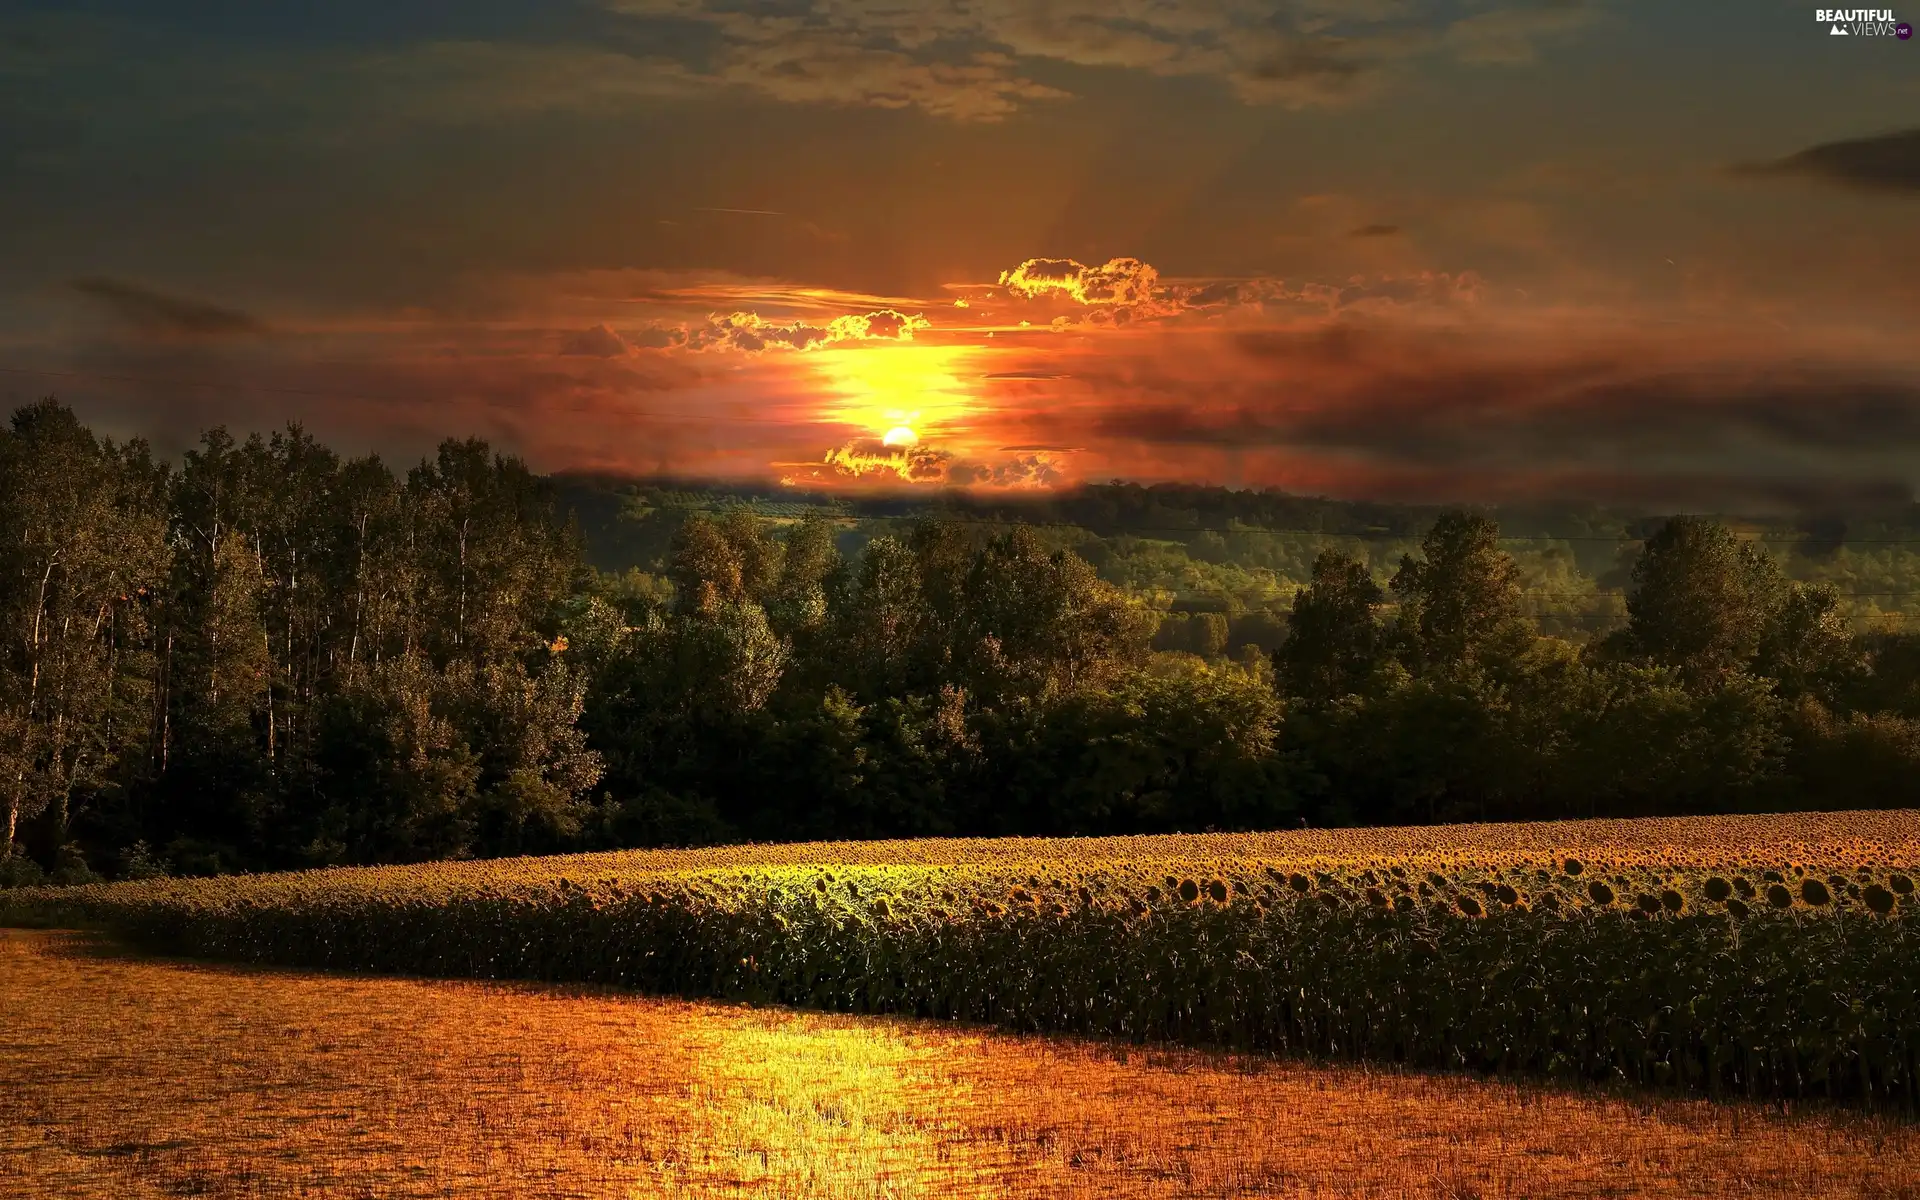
(1194, 549)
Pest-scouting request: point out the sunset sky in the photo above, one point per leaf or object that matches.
(1646, 253)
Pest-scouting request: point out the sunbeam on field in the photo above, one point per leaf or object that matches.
(142, 1078)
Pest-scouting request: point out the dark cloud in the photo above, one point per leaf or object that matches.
(658, 337)
(400, 402)
(157, 314)
(1034, 375)
(1029, 470)
(1890, 162)
(597, 342)
(1373, 231)
(1304, 72)
(1449, 416)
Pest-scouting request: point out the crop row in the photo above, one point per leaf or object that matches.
(1776, 966)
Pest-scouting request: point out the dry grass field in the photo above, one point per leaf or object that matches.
(136, 1078)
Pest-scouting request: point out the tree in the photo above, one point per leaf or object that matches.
(534, 763)
(1701, 600)
(1655, 742)
(1806, 648)
(1842, 760)
(1179, 750)
(400, 782)
(1334, 641)
(493, 561)
(81, 554)
(1037, 624)
(1462, 596)
(882, 631)
(811, 571)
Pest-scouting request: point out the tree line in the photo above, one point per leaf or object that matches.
(269, 656)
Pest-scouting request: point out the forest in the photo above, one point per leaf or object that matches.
(265, 655)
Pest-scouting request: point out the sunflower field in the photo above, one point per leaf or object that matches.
(1764, 956)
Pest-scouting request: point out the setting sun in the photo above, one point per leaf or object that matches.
(903, 394)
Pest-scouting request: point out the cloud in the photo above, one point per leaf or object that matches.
(1427, 289)
(867, 461)
(750, 332)
(400, 394)
(1127, 291)
(658, 337)
(1122, 281)
(830, 66)
(1310, 72)
(1371, 405)
(1373, 231)
(869, 458)
(1511, 36)
(883, 325)
(1889, 162)
(1037, 470)
(455, 81)
(157, 314)
(1432, 386)
(597, 342)
(977, 60)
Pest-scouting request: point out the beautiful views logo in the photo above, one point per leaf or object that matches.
(1862, 22)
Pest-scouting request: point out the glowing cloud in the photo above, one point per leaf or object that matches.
(884, 325)
(1120, 281)
(752, 333)
(864, 459)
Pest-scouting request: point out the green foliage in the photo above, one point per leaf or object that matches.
(1701, 599)
(271, 657)
(140, 862)
(1461, 597)
(1335, 642)
(1846, 759)
(81, 555)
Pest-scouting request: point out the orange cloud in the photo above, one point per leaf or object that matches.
(867, 458)
(866, 461)
(1124, 281)
(753, 333)
(1426, 385)
(1126, 291)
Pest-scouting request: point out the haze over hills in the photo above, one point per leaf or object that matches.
(1189, 548)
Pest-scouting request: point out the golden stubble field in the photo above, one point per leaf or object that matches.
(129, 1077)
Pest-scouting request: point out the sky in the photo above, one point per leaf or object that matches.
(1635, 253)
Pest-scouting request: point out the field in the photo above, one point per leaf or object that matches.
(1768, 957)
(146, 1078)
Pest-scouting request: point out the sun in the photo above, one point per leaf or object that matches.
(906, 395)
